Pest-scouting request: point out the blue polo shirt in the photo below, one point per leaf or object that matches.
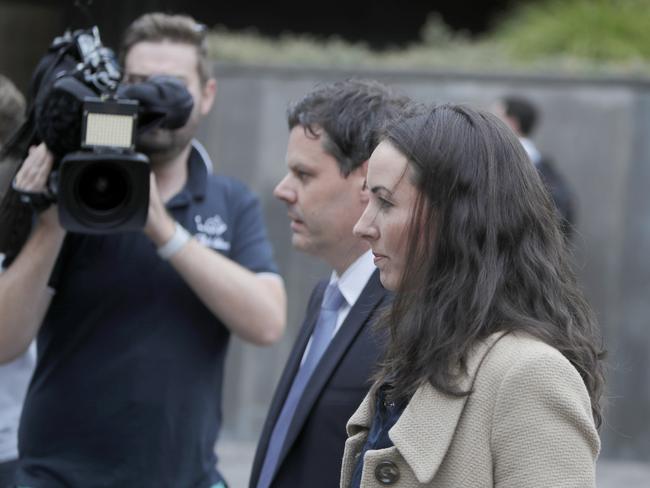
(127, 387)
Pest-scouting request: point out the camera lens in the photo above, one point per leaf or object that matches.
(102, 188)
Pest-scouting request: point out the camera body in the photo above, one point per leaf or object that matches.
(90, 122)
(104, 187)
(100, 183)
(103, 194)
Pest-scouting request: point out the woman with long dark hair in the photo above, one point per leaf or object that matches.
(493, 370)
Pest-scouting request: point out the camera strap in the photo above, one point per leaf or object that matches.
(39, 201)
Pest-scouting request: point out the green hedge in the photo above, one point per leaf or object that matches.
(597, 30)
(578, 36)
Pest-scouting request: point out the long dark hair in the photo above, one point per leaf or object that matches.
(487, 256)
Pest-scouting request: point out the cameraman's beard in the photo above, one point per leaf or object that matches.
(162, 146)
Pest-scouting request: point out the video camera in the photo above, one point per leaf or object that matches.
(90, 121)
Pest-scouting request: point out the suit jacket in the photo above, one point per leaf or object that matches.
(561, 194)
(314, 446)
(527, 423)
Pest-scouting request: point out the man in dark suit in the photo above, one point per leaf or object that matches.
(333, 131)
(522, 117)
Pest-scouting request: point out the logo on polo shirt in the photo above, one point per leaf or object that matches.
(210, 232)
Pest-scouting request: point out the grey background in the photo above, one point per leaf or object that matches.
(597, 131)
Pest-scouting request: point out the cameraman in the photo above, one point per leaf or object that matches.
(133, 328)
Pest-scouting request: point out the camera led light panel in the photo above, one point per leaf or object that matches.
(109, 130)
(109, 123)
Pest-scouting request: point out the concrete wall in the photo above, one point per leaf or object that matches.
(597, 130)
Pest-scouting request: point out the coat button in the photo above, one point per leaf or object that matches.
(387, 473)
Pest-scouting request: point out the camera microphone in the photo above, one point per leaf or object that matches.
(163, 102)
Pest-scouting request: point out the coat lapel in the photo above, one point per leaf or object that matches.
(372, 297)
(430, 419)
(357, 429)
(427, 425)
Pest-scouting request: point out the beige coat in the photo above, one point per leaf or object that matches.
(527, 424)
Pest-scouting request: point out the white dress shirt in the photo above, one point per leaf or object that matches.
(351, 283)
(531, 150)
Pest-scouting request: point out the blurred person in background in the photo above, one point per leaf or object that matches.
(492, 373)
(12, 114)
(522, 116)
(333, 130)
(14, 376)
(133, 328)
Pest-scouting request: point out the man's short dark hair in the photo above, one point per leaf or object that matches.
(351, 114)
(523, 111)
(159, 27)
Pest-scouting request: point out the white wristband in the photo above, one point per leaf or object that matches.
(173, 245)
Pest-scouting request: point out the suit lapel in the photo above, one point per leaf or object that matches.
(289, 373)
(372, 296)
(293, 363)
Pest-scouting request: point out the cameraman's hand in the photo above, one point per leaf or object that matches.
(33, 174)
(32, 177)
(160, 225)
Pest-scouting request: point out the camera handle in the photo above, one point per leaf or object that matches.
(39, 201)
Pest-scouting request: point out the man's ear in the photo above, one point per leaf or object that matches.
(364, 168)
(208, 92)
(364, 191)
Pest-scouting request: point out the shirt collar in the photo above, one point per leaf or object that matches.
(531, 150)
(354, 279)
(199, 166)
